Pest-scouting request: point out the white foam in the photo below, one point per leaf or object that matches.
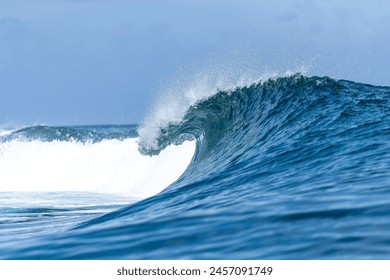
(110, 166)
(5, 132)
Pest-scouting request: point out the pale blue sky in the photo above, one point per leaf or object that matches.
(104, 61)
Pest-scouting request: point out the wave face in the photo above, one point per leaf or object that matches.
(288, 168)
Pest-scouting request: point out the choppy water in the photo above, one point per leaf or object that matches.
(287, 168)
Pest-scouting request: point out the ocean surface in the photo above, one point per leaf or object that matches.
(289, 167)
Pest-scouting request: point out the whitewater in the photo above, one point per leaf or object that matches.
(289, 167)
(109, 166)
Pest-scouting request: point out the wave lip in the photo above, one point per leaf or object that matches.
(173, 106)
(188, 114)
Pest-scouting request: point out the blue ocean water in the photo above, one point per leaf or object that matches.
(287, 168)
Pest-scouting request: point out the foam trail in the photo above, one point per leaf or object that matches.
(109, 166)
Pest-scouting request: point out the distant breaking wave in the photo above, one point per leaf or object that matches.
(101, 159)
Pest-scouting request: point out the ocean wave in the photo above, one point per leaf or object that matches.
(293, 167)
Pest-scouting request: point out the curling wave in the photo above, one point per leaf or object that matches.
(292, 167)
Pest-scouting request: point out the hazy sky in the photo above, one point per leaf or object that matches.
(104, 61)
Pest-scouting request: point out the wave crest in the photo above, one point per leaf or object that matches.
(208, 119)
